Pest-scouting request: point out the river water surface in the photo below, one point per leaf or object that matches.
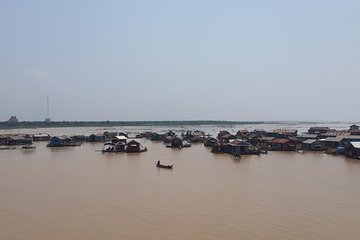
(78, 193)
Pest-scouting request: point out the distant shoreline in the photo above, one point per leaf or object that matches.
(59, 124)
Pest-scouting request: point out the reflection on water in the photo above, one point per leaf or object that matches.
(78, 193)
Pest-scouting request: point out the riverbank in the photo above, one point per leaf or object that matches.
(64, 124)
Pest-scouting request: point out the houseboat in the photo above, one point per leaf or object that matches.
(62, 141)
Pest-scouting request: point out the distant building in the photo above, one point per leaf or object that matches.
(238, 147)
(225, 136)
(175, 142)
(13, 119)
(313, 145)
(210, 142)
(279, 144)
(62, 141)
(156, 137)
(354, 127)
(306, 136)
(41, 137)
(353, 150)
(133, 146)
(96, 138)
(333, 142)
(318, 130)
(354, 130)
(15, 140)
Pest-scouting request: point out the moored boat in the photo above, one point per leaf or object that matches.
(159, 165)
(28, 147)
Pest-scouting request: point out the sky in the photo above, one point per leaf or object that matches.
(180, 60)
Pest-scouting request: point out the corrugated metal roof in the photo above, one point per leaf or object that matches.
(239, 143)
(355, 144)
(121, 137)
(310, 141)
(308, 136)
(333, 139)
(266, 138)
(353, 137)
(279, 140)
(41, 135)
(285, 131)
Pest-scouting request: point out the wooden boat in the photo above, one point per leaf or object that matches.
(7, 148)
(28, 147)
(164, 166)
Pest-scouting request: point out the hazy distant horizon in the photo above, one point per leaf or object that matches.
(180, 60)
(201, 120)
(185, 120)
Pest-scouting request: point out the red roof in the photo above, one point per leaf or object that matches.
(280, 140)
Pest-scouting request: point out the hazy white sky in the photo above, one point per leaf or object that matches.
(180, 60)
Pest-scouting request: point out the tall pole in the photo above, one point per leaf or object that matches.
(47, 101)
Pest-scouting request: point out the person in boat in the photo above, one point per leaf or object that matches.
(158, 163)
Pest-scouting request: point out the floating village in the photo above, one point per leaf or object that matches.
(244, 142)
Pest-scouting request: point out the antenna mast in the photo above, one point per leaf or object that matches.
(47, 119)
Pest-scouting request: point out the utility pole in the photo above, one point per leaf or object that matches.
(47, 119)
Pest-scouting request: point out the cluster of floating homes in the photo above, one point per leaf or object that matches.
(172, 140)
(345, 142)
(113, 142)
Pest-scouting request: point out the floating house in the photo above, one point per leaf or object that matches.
(109, 135)
(263, 142)
(116, 144)
(242, 133)
(225, 136)
(282, 133)
(210, 142)
(318, 130)
(307, 136)
(194, 137)
(156, 137)
(280, 144)
(62, 141)
(146, 135)
(235, 147)
(238, 147)
(333, 142)
(198, 137)
(96, 138)
(114, 147)
(353, 150)
(170, 134)
(123, 144)
(350, 138)
(79, 138)
(175, 142)
(124, 134)
(15, 140)
(41, 137)
(354, 127)
(354, 132)
(313, 145)
(121, 138)
(134, 146)
(3, 140)
(254, 138)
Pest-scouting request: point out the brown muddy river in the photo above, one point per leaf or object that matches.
(78, 193)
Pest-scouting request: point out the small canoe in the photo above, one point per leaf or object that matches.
(164, 166)
(28, 147)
